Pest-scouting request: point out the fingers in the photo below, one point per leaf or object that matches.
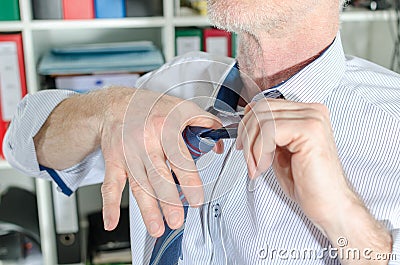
(113, 185)
(147, 152)
(146, 200)
(178, 155)
(264, 148)
(279, 123)
(255, 137)
(201, 118)
(219, 147)
(183, 166)
(247, 140)
(148, 206)
(283, 171)
(161, 180)
(207, 121)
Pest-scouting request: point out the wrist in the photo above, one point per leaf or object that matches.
(76, 124)
(352, 227)
(113, 105)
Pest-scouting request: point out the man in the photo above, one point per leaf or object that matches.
(334, 182)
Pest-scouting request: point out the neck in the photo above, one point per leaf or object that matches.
(269, 58)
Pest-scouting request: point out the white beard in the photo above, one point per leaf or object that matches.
(257, 15)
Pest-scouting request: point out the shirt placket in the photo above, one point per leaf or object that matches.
(217, 207)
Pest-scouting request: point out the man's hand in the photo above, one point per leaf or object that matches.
(140, 132)
(297, 139)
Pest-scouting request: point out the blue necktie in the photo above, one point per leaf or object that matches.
(168, 248)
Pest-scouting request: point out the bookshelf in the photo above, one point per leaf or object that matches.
(40, 35)
(4, 165)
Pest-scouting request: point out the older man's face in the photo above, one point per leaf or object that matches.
(252, 15)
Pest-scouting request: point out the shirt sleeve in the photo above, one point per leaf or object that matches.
(19, 149)
(395, 258)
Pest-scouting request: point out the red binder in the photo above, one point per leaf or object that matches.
(3, 128)
(217, 41)
(12, 79)
(78, 9)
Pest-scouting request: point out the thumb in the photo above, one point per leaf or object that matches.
(111, 191)
(206, 120)
(283, 170)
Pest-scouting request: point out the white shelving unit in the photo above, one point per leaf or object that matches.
(40, 35)
(4, 165)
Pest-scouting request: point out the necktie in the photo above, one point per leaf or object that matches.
(168, 247)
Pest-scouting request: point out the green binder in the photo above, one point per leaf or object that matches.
(235, 44)
(188, 40)
(9, 10)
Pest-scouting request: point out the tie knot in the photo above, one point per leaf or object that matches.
(271, 93)
(274, 93)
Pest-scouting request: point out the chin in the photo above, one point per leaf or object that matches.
(255, 15)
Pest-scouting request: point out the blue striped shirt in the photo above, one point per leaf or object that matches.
(253, 222)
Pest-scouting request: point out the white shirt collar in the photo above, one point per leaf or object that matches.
(316, 81)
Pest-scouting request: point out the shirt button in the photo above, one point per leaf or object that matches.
(217, 210)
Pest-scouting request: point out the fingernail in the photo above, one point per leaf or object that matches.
(238, 144)
(154, 227)
(173, 219)
(106, 224)
(197, 199)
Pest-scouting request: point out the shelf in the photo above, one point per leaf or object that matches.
(4, 165)
(140, 22)
(9, 26)
(356, 15)
(185, 21)
(351, 15)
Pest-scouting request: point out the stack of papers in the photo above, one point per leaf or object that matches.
(86, 83)
(137, 57)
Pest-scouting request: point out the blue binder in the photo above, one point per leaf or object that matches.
(139, 57)
(109, 8)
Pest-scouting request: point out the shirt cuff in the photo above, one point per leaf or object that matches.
(32, 112)
(19, 148)
(88, 171)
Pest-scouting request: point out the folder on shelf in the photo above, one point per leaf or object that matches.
(78, 9)
(217, 41)
(109, 8)
(67, 227)
(3, 129)
(9, 10)
(12, 78)
(235, 45)
(47, 9)
(102, 58)
(188, 40)
(86, 83)
(144, 8)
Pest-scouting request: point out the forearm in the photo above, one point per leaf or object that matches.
(357, 236)
(73, 129)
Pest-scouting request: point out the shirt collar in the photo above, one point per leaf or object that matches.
(316, 81)
(313, 83)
